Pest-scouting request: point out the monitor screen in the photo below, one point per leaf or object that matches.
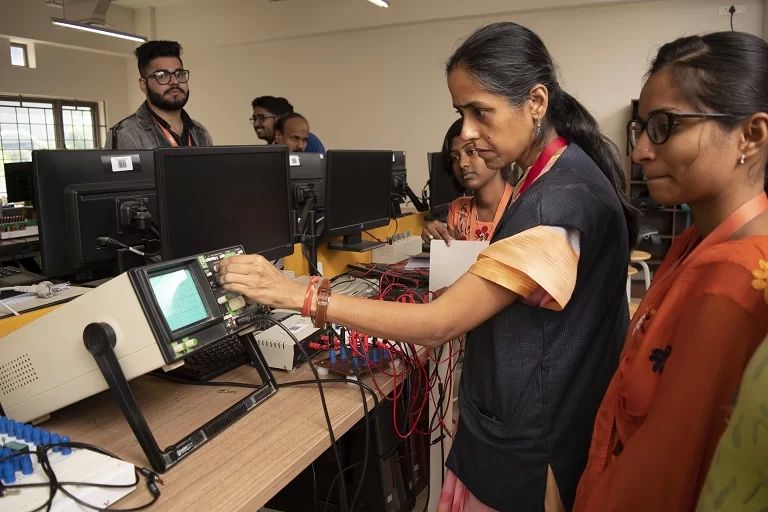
(358, 185)
(213, 197)
(18, 181)
(83, 195)
(443, 187)
(179, 298)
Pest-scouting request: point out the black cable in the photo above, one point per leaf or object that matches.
(342, 489)
(375, 238)
(367, 436)
(732, 10)
(55, 485)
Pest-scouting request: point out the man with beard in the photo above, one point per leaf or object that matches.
(161, 120)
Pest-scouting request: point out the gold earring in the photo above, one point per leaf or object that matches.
(741, 160)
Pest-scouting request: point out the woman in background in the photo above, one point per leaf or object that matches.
(702, 139)
(476, 217)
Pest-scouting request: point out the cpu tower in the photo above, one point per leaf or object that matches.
(384, 488)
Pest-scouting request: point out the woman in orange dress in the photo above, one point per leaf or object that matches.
(475, 217)
(702, 139)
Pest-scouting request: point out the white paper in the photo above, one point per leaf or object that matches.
(448, 263)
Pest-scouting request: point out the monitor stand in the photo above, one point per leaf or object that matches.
(355, 243)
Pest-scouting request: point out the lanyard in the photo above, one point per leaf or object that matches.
(171, 139)
(742, 216)
(474, 221)
(541, 162)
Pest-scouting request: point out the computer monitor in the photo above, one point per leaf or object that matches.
(307, 177)
(357, 197)
(211, 197)
(443, 186)
(18, 182)
(84, 195)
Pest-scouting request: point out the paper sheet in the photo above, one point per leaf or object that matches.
(448, 263)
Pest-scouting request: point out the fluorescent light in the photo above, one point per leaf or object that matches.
(380, 3)
(97, 30)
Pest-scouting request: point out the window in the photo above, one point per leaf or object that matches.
(27, 124)
(19, 55)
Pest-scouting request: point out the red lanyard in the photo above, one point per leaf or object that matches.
(170, 137)
(538, 167)
(740, 217)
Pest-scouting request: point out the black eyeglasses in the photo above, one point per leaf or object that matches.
(260, 118)
(163, 76)
(661, 125)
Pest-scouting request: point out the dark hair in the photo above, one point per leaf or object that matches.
(280, 121)
(509, 60)
(275, 105)
(455, 131)
(153, 49)
(725, 72)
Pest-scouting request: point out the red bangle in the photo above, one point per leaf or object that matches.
(306, 309)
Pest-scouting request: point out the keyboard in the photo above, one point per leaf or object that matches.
(218, 358)
(15, 276)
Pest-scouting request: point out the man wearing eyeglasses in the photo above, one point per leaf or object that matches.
(161, 120)
(266, 110)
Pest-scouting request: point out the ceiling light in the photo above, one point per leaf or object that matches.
(96, 29)
(380, 3)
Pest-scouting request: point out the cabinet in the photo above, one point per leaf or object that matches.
(659, 224)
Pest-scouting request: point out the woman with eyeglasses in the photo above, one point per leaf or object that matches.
(475, 217)
(701, 139)
(544, 306)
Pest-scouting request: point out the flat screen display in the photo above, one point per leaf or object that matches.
(179, 298)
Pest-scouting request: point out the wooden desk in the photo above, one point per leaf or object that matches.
(242, 467)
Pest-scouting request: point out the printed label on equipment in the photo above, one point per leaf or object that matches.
(121, 163)
(294, 160)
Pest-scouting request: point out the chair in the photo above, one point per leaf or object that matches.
(630, 272)
(640, 258)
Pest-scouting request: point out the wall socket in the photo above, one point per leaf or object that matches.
(740, 9)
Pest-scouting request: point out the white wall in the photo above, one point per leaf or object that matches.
(384, 87)
(70, 64)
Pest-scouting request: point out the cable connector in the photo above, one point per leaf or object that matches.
(43, 289)
(151, 476)
(105, 241)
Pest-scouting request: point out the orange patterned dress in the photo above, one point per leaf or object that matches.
(671, 397)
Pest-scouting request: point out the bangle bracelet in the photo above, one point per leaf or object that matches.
(323, 298)
(306, 309)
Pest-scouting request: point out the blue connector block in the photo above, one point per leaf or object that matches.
(27, 431)
(46, 437)
(375, 355)
(37, 435)
(8, 473)
(26, 464)
(55, 442)
(3, 425)
(332, 356)
(65, 450)
(343, 352)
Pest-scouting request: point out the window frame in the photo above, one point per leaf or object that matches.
(58, 121)
(25, 51)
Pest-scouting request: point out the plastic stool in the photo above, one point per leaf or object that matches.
(640, 257)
